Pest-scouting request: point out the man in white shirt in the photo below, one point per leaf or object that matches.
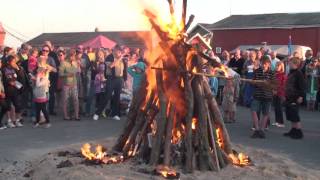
(274, 60)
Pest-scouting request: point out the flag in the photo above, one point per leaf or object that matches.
(290, 46)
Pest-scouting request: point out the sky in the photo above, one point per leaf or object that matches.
(29, 18)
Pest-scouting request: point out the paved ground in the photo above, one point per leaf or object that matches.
(26, 143)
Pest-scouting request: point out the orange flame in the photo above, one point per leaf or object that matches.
(223, 69)
(99, 155)
(219, 138)
(194, 123)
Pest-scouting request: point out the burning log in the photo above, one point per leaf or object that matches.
(174, 118)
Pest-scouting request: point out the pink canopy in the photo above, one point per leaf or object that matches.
(99, 42)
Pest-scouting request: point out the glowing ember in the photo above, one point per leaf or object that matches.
(167, 172)
(240, 160)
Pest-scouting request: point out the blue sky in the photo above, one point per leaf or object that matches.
(33, 17)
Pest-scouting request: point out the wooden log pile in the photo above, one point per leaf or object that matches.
(174, 120)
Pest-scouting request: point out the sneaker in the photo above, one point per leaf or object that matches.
(255, 134)
(10, 124)
(48, 125)
(290, 132)
(2, 127)
(36, 125)
(274, 124)
(103, 114)
(280, 125)
(253, 129)
(95, 117)
(262, 135)
(19, 124)
(297, 134)
(117, 118)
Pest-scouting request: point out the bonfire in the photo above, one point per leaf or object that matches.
(174, 120)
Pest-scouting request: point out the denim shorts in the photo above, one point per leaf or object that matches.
(261, 106)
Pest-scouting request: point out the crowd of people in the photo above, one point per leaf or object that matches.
(84, 81)
(89, 82)
(289, 83)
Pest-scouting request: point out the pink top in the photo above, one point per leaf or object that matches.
(281, 79)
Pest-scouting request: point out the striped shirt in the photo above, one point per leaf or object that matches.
(262, 93)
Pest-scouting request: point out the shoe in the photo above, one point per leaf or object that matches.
(274, 124)
(10, 124)
(18, 124)
(297, 134)
(117, 118)
(2, 127)
(36, 125)
(95, 117)
(262, 135)
(66, 119)
(290, 132)
(280, 125)
(103, 114)
(77, 119)
(48, 125)
(255, 134)
(253, 129)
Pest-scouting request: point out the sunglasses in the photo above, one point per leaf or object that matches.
(61, 54)
(44, 50)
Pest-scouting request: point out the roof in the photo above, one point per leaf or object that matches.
(72, 39)
(261, 21)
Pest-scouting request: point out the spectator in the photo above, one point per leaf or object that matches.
(237, 62)
(100, 59)
(33, 61)
(53, 76)
(6, 52)
(311, 73)
(308, 60)
(278, 98)
(3, 101)
(262, 97)
(248, 70)
(274, 60)
(100, 85)
(13, 88)
(229, 101)
(68, 72)
(116, 72)
(40, 96)
(294, 91)
(24, 56)
(137, 72)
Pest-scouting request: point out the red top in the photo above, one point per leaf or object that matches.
(281, 78)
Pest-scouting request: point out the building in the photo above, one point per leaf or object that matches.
(2, 35)
(273, 29)
(132, 39)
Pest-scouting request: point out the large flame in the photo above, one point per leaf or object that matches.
(240, 160)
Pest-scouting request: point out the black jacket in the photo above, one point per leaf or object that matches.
(295, 86)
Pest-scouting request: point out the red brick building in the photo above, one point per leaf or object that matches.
(275, 29)
(2, 35)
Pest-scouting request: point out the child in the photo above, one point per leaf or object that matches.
(279, 97)
(100, 85)
(294, 92)
(312, 84)
(40, 96)
(262, 97)
(137, 73)
(228, 102)
(3, 102)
